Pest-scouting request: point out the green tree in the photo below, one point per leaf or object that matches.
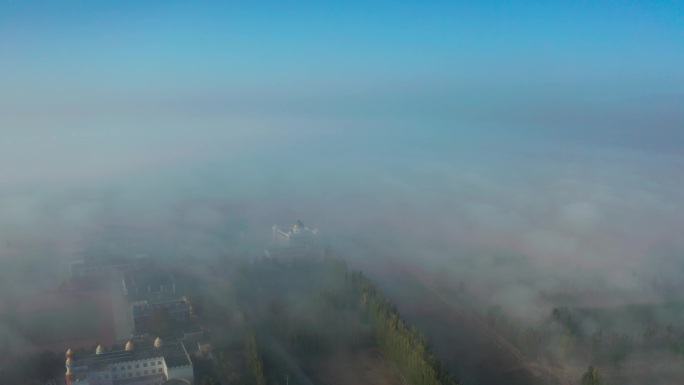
(592, 377)
(253, 358)
(402, 344)
(210, 380)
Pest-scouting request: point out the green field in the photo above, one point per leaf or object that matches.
(73, 322)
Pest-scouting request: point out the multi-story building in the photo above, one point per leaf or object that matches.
(296, 236)
(178, 310)
(107, 265)
(146, 364)
(153, 283)
(297, 241)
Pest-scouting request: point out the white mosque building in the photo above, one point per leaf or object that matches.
(148, 364)
(296, 241)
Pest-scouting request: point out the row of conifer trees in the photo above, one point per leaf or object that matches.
(255, 365)
(404, 346)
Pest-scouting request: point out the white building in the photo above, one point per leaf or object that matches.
(145, 365)
(296, 241)
(296, 236)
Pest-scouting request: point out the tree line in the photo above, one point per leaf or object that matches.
(255, 365)
(349, 308)
(403, 345)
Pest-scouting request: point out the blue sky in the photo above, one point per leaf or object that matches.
(154, 82)
(265, 49)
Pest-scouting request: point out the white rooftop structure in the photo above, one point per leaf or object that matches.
(296, 241)
(148, 363)
(296, 236)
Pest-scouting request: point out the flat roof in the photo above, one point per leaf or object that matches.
(173, 354)
(134, 380)
(112, 260)
(147, 308)
(153, 278)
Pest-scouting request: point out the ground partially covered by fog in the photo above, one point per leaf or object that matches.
(583, 214)
(523, 161)
(525, 217)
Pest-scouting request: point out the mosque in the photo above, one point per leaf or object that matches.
(294, 242)
(147, 364)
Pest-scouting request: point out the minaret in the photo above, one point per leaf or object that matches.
(68, 365)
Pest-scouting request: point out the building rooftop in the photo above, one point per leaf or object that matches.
(151, 379)
(175, 382)
(146, 308)
(174, 355)
(110, 260)
(154, 279)
(298, 229)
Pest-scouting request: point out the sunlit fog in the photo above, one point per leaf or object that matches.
(382, 193)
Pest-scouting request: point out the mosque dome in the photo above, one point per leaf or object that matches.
(129, 346)
(99, 350)
(69, 363)
(158, 343)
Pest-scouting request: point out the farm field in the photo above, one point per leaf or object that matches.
(473, 356)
